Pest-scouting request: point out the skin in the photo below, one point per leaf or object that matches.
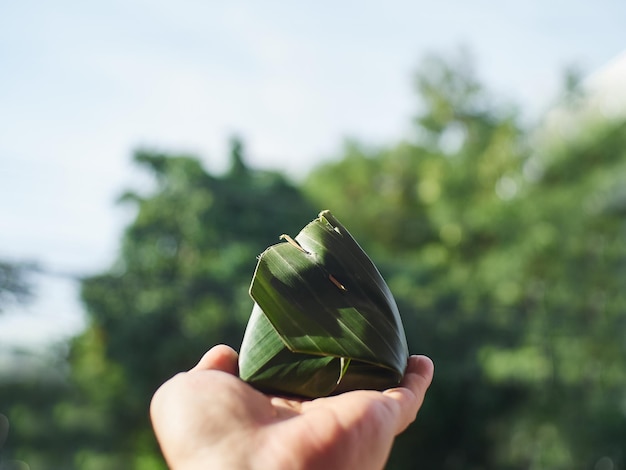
(209, 418)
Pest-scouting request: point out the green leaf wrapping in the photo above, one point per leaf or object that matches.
(324, 320)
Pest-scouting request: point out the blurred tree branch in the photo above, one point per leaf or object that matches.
(15, 282)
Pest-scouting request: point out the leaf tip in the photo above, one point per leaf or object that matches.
(291, 241)
(329, 219)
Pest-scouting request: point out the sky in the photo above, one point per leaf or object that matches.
(83, 84)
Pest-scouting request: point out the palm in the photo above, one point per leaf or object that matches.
(319, 433)
(214, 409)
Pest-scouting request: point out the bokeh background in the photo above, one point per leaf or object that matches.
(150, 150)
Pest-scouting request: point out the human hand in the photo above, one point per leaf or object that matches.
(209, 418)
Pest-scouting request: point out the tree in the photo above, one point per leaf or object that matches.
(570, 280)
(431, 214)
(506, 262)
(178, 287)
(506, 258)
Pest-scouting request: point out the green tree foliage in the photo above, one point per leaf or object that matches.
(178, 287)
(429, 210)
(186, 260)
(507, 262)
(570, 289)
(505, 254)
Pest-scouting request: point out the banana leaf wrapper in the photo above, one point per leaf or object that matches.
(324, 320)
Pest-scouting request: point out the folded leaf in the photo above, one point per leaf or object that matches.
(324, 320)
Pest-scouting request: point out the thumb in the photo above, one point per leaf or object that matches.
(409, 396)
(220, 357)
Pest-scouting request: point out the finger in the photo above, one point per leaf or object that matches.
(419, 372)
(220, 357)
(409, 396)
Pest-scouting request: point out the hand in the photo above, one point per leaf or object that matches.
(209, 418)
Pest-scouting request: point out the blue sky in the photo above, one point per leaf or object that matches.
(84, 83)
